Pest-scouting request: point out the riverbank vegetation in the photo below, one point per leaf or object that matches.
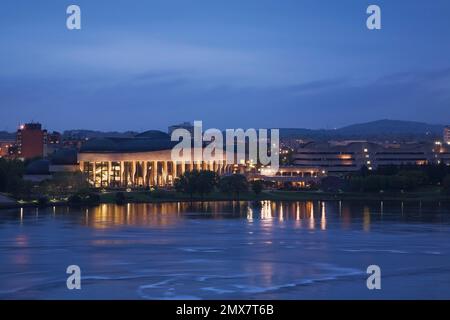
(427, 183)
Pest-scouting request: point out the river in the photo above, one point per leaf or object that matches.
(227, 250)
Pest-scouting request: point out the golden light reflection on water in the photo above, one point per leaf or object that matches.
(21, 257)
(286, 211)
(167, 214)
(154, 214)
(366, 219)
(311, 214)
(301, 214)
(323, 217)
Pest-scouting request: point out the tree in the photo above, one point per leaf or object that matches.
(63, 184)
(446, 184)
(257, 186)
(364, 171)
(206, 181)
(234, 184)
(187, 183)
(11, 172)
(201, 182)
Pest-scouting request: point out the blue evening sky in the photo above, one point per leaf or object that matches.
(143, 64)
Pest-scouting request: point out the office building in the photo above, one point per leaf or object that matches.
(31, 141)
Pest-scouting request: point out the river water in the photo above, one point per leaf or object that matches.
(227, 250)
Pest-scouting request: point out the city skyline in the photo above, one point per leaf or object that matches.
(258, 64)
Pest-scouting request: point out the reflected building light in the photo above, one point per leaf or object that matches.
(366, 219)
(281, 215)
(266, 211)
(311, 215)
(54, 210)
(381, 207)
(249, 214)
(21, 215)
(323, 219)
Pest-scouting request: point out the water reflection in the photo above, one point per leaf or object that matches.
(231, 250)
(307, 214)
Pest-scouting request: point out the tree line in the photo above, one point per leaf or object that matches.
(203, 183)
(401, 178)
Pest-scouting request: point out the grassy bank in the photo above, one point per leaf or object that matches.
(283, 196)
(172, 196)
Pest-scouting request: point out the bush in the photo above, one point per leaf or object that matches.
(120, 198)
(43, 201)
(446, 184)
(75, 199)
(88, 198)
(234, 184)
(92, 198)
(257, 186)
(201, 182)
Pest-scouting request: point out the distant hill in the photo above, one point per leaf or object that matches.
(380, 129)
(7, 135)
(82, 134)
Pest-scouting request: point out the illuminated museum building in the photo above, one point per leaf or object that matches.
(144, 160)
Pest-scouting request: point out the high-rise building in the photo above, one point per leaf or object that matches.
(447, 134)
(31, 141)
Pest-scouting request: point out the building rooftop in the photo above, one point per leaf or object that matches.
(64, 156)
(141, 143)
(38, 167)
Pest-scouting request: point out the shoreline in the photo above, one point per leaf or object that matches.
(287, 196)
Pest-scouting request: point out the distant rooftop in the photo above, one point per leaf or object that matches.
(152, 140)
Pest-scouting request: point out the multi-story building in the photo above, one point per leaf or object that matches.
(447, 135)
(31, 141)
(54, 138)
(54, 143)
(144, 161)
(348, 156)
